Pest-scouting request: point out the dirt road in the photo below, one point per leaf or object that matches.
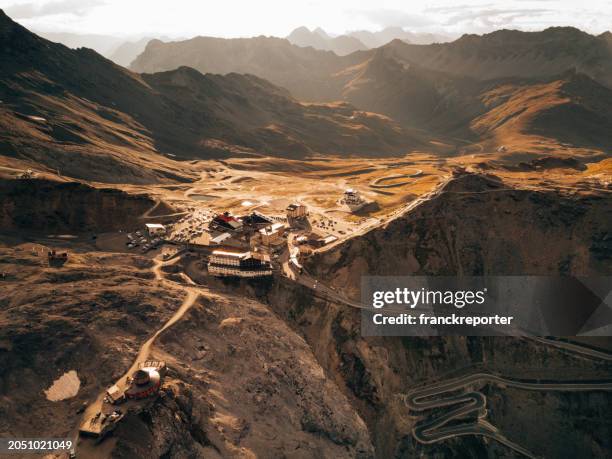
(191, 295)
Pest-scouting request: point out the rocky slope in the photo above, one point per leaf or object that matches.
(477, 225)
(74, 111)
(88, 316)
(246, 385)
(572, 109)
(413, 95)
(511, 54)
(241, 383)
(376, 372)
(42, 205)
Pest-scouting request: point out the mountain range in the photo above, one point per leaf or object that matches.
(359, 40)
(69, 110)
(75, 111)
(439, 87)
(319, 39)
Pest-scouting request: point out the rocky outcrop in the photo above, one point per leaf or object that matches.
(478, 225)
(243, 384)
(43, 205)
(90, 316)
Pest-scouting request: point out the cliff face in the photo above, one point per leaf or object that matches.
(477, 225)
(376, 372)
(66, 206)
(243, 384)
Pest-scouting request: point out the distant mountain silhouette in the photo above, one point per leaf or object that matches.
(319, 39)
(305, 72)
(125, 53)
(436, 87)
(311, 74)
(382, 37)
(511, 53)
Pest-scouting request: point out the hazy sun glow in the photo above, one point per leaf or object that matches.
(231, 18)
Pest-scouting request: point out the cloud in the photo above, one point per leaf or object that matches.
(32, 10)
(488, 16)
(494, 16)
(395, 18)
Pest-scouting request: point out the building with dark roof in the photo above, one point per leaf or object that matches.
(256, 220)
(225, 222)
(239, 264)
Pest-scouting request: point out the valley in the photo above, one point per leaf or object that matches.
(182, 243)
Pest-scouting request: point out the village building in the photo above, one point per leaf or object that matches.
(256, 221)
(352, 197)
(235, 263)
(226, 223)
(147, 380)
(353, 200)
(328, 240)
(296, 211)
(155, 229)
(272, 234)
(220, 239)
(115, 395)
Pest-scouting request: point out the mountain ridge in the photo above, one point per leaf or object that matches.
(69, 110)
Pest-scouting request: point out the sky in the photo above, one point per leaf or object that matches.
(245, 18)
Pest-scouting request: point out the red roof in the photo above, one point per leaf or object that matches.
(226, 218)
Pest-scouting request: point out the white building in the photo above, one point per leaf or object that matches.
(228, 258)
(155, 229)
(220, 239)
(329, 240)
(240, 264)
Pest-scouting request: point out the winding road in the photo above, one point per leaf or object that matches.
(98, 405)
(473, 403)
(470, 403)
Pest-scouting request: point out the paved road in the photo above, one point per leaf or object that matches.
(573, 348)
(436, 429)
